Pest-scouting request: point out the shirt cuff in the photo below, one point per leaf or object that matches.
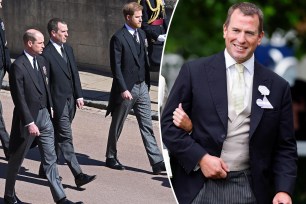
(29, 124)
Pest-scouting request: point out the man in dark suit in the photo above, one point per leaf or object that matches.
(5, 62)
(66, 94)
(29, 78)
(242, 147)
(155, 24)
(131, 81)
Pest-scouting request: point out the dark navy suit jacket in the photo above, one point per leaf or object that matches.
(125, 64)
(64, 83)
(26, 94)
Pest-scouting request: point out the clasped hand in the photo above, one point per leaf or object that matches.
(213, 167)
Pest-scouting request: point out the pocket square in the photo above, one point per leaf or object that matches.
(264, 103)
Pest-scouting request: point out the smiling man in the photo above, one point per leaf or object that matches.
(241, 148)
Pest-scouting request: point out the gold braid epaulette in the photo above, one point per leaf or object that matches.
(156, 10)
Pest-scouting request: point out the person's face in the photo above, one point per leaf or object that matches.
(135, 20)
(37, 46)
(242, 36)
(61, 35)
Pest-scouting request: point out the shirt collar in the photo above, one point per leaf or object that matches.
(229, 62)
(57, 46)
(30, 57)
(130, 29)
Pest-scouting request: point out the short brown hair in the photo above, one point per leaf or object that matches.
(130, 8)
(53, 24)
(247, 9)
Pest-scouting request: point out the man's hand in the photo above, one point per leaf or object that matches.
(282, 198)
(80, 103)
(181, 119)
(126, 95)
(213, 167)
(33, 130)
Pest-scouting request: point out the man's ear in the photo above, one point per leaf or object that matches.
(53, 33)
(30, 43)
(128, 17)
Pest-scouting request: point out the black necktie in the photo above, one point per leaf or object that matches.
(64, 54)
(35, 67)
(135, 36)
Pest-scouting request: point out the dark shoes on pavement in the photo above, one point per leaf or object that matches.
(83, 179)
(11, 200)
(66, 201)
(114, 163)
(158, 167)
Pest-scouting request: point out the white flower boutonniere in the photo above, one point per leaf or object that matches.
(264, 103)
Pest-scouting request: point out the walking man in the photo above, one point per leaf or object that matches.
(131, 82)
(29, 78)
(66, 94)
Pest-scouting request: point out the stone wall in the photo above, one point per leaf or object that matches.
(91, 24)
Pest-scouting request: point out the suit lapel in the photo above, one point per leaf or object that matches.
(68, 53)
(256, 112)
(216, 74)
(31, 71)
(43, 71)
(129, 38)
(59, 59)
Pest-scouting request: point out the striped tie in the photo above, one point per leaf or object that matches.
(238, 90)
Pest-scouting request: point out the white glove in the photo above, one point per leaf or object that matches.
(161, 38)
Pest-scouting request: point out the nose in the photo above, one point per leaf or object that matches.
(241, 37)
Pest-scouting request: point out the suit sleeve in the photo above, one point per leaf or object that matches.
(180, 144)
(116, 62)
(285, 167)
(16, 81)
(76, 78)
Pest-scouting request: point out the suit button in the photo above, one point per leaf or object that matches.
(223, 136)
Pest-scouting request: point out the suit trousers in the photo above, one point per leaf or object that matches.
(234, 189)
(47, 152)
(4, 136)
(141, 105)
(63, 136)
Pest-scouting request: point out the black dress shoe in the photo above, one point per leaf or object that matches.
(114, 163)
(66, 201)
(83, 179)
(158, 168)
(11, 200)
